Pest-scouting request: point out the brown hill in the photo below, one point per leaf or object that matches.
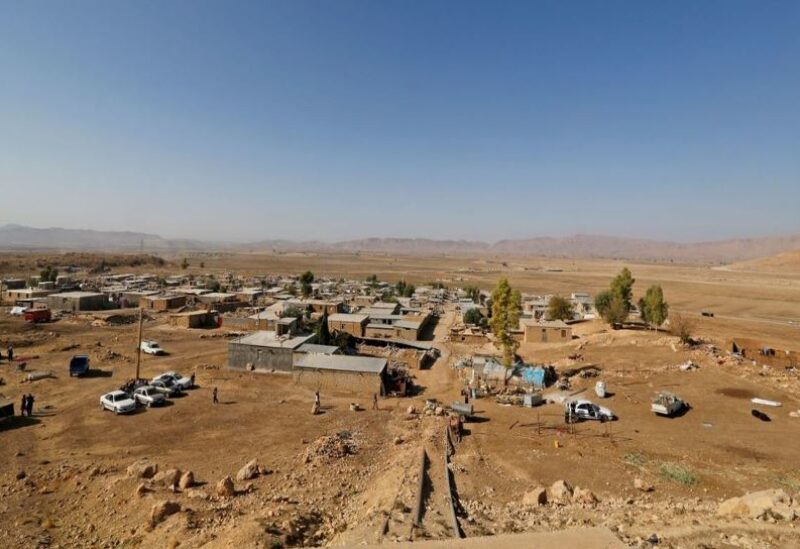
(786, 262)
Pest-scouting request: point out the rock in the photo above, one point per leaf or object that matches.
(21, 474)
(584, 495)
(186, 481)
(142, 469)
(411, 410)
(141, 491)
(537, 496)
(439, 411)
(162, 510)
(196, 494)
(168, 478)
(225, 488)
(398, 440)
(560, 493)
(643, 486)
(765, 505)
(249, 471)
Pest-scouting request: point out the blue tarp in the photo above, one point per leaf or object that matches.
(533, 376)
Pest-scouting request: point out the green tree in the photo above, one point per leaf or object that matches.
(323, 331)
(306, 289)
(473, 293)
(473, 316)
(622, 287)
(343, 340)
(506, 309)
(49, 274)
(293, 311)
(616, 312)
(560, 308)
(307, 278)
(653, 307)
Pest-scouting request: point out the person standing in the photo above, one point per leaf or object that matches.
(214, 399)
(23, 407)
(10, 353)
(30, 405)
(375, 401)
(192, 378)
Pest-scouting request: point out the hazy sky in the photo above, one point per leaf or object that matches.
(338, 119)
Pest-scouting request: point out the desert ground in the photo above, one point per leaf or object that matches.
(346, 478)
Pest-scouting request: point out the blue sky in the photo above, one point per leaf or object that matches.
(336, 119)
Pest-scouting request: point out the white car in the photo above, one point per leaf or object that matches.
(118, 402)
(575, 410)
(18, 311)
(184, 382)
(149, 396)
(167, 386)
(152, 348)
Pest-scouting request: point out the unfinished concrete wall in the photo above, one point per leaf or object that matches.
(264, 359)
(332, 381)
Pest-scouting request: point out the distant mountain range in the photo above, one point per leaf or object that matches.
(18, 237)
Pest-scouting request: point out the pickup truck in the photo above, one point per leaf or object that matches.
(79, 365)
(667, 404)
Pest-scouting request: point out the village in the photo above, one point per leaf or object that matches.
(178, 402)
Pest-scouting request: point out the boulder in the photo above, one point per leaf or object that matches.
(21, 474)
(537, 496)
(643, 486)
(249, 471)
(560, 493)
(162, 510)
(193, 493)
(186, 481)
(766, 504)
(142, 469)
(141, 491)
(225, 488)
(168, 478)
(584, 495)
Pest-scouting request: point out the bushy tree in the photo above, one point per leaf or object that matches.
(616, 312)
(473, 293)
(614, 304)
(506, 309)
(653, 307)
(307, 278)
(560, 308)
(622, 287)
(306, 289)
(49, 274)
(473, 316)
(292, 311)
(682, 327)
(405, 289)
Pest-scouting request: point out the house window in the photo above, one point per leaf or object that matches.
(563, 333)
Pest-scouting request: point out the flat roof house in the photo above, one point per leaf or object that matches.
(353, 324)
(162, 302)
(265, 351)
(193, 319)
(353, 374)
(544, 331)
(78, 301)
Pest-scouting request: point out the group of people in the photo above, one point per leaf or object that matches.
(26, 407)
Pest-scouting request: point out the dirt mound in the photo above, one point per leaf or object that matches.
(336, 446)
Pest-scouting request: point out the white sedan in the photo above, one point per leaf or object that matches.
(167, 386)
(149, 396)
(152, 348)
(184, 382)
(118, 402)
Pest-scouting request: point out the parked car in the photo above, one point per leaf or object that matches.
(78, 365)
(184, 382)
(575, 410)
(168, 386)
(37, 315)
(667, 404)
(152, 348)
(118, 402)
(148, 395)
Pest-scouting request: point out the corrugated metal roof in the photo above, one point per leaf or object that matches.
(342, 363)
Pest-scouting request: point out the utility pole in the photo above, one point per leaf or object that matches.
(139, 343)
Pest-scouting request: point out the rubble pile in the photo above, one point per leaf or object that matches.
(337, 446)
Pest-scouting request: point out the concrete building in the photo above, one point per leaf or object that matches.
(265, 352)
(78, 301)
(332, 373)
(25, 294)
(162, 302)
(544, 331)
(353, 324)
